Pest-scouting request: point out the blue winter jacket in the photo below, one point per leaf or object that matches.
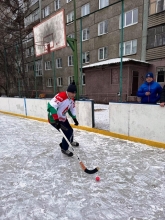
(154, 88)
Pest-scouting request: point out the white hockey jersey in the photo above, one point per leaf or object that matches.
(59, 106)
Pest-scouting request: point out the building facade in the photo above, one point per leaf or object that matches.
(99, 34)
(155, 50)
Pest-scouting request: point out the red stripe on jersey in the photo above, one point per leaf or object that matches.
(61, 96)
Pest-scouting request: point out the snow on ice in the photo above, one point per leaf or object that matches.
(38, 182)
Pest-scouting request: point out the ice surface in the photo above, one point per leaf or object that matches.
(38, 182)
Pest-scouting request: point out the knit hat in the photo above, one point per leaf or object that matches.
(72, 88)
(150, 75)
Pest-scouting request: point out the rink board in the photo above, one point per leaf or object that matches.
(138, 120)
(37, 108)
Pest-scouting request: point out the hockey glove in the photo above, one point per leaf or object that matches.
(57, 124)
(75, 121)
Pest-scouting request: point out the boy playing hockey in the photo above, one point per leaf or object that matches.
(62, 103)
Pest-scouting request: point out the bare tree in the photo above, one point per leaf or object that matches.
(12, 63)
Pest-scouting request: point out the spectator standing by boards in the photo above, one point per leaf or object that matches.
(149, 91)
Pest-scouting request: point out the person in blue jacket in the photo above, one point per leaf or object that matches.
(149, 91)
(162, 97)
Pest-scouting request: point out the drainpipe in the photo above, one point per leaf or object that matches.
(81, 88)
(121, 49)
(144, 31)
(42, 61)
(54, 72)
(75, 53)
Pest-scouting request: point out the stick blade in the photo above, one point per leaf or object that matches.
(91, 171)
(86, 170)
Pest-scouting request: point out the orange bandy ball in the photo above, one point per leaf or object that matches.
(97, 178)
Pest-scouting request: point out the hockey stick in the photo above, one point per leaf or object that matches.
(80, 162)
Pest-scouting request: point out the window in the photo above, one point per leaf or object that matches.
(59, 81)
(85, 57)
(103, 3)
(70, 17)
(71, 36)
(70, 79)
(102, 53)
(59, 62)
(130, 18)
(160, 74)
(28, 20)
(85, 34)
(48, 65)
(156, 6)
(35, 15)
(83, 79)
(29, 52)
(85, 9)
(28, 37)
(129, 47)
(32, 2)
(45, 11)
(156, 36)
(56, 5)
(31, 18)
(50, 82)
(102, 27)
(38, 68)
(70, 60)
(31, 67)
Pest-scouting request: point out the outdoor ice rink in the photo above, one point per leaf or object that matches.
(38, 182)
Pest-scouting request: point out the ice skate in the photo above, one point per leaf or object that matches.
(75, 144)
(67, 152)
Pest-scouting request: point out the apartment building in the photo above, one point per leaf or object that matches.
(155, 50)
(106, 76)
(98, 24)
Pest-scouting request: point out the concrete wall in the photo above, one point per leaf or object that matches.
(138, 120)
(38, 108)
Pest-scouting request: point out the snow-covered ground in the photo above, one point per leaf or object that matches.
(38, 182)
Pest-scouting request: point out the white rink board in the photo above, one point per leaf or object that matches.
(37, 108)
(83, 113)
(14, 105)
(119, 118)
(4, 104)
(148, 122)
(134, 120)
(138, 120)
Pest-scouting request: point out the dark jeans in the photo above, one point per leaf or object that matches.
(68, 133)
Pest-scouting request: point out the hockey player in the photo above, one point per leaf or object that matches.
(58, 106)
